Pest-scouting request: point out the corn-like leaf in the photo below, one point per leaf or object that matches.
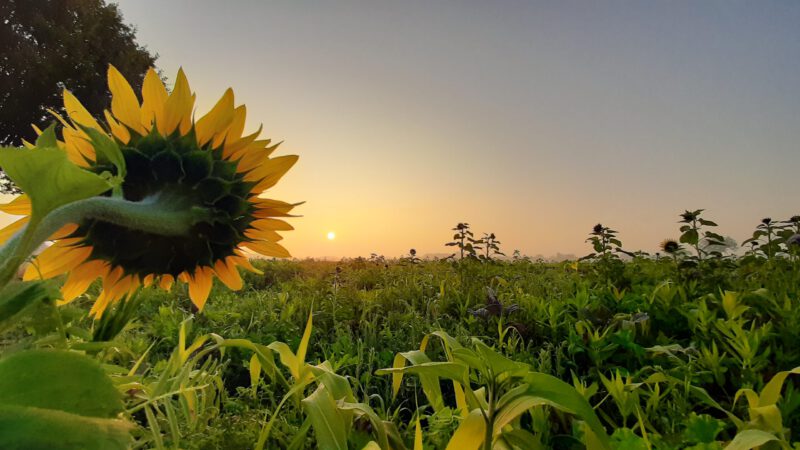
(748, 439)
(378, 428)
(418, 436)
(523, 439)
(338, 385)
(255, 372)
(470, 434)
(461, 399)
(429, 374)
(564, 397)
(772, 391)
(328, 424)
(303, 347)
(287, 358)
(397, 376)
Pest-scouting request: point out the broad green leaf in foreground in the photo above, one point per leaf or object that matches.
(58, 400)
(564, 397)
(17, 297)
(49, 178)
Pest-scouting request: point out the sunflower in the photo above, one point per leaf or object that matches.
(207, 164)
(670, 246)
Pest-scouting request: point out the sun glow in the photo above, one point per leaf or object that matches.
(331, 235)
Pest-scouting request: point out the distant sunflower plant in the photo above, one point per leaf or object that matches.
(150, 196)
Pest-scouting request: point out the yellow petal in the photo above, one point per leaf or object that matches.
(124, 103)
(271, 224)
(249, 159)
(63, 232)
(188, 120)
(217, 120)
(268, 174)
(80, 278)
(178, 106)
(115, 285)
(241, 259)
(78, 147)
(262, 235)
(234, 129)
(154, 98)
(166, 282)
(56, 260)
(20, 206)
(76, 111)
(10, 230)
(227, 273)
(267, 248)
(240, 150)
(118, 130)
(200, 286)
(272, 208)
(148, 280)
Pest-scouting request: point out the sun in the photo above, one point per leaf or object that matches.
(331, 235)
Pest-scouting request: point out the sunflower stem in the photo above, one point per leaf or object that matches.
(163, 214)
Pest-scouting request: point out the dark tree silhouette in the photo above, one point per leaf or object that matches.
(49, 45)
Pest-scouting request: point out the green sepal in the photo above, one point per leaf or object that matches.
(106, 151)
(48, 137)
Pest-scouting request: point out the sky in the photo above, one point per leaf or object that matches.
(531, 120)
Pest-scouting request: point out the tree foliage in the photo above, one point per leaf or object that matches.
(49, 45)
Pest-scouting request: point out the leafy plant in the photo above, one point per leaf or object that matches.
(508, 389)
(464, 239)
(694, 234)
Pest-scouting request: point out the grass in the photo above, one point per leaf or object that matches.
(664, 351)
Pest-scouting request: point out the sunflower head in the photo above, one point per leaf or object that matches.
(206, 165)
(690, 216)
(670, 246)
(766, 221)
(598, 229)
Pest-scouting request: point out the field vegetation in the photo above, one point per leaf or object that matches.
(693, 348)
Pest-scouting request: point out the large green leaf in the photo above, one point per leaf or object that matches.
(61, 380)
(429, 374)
(747, 439)
(52, 399)
(17, 297)
(470, 434)
(328, 424)
(564, 397)
(25, 428)
(499, 365)
(376, 422)
(49, 178)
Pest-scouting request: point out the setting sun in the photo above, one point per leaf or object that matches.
(331, 235)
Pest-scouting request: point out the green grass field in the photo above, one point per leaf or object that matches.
(669, 355)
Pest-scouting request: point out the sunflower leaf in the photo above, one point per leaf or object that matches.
(49, 178)
(17, 297)
(60, 400)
